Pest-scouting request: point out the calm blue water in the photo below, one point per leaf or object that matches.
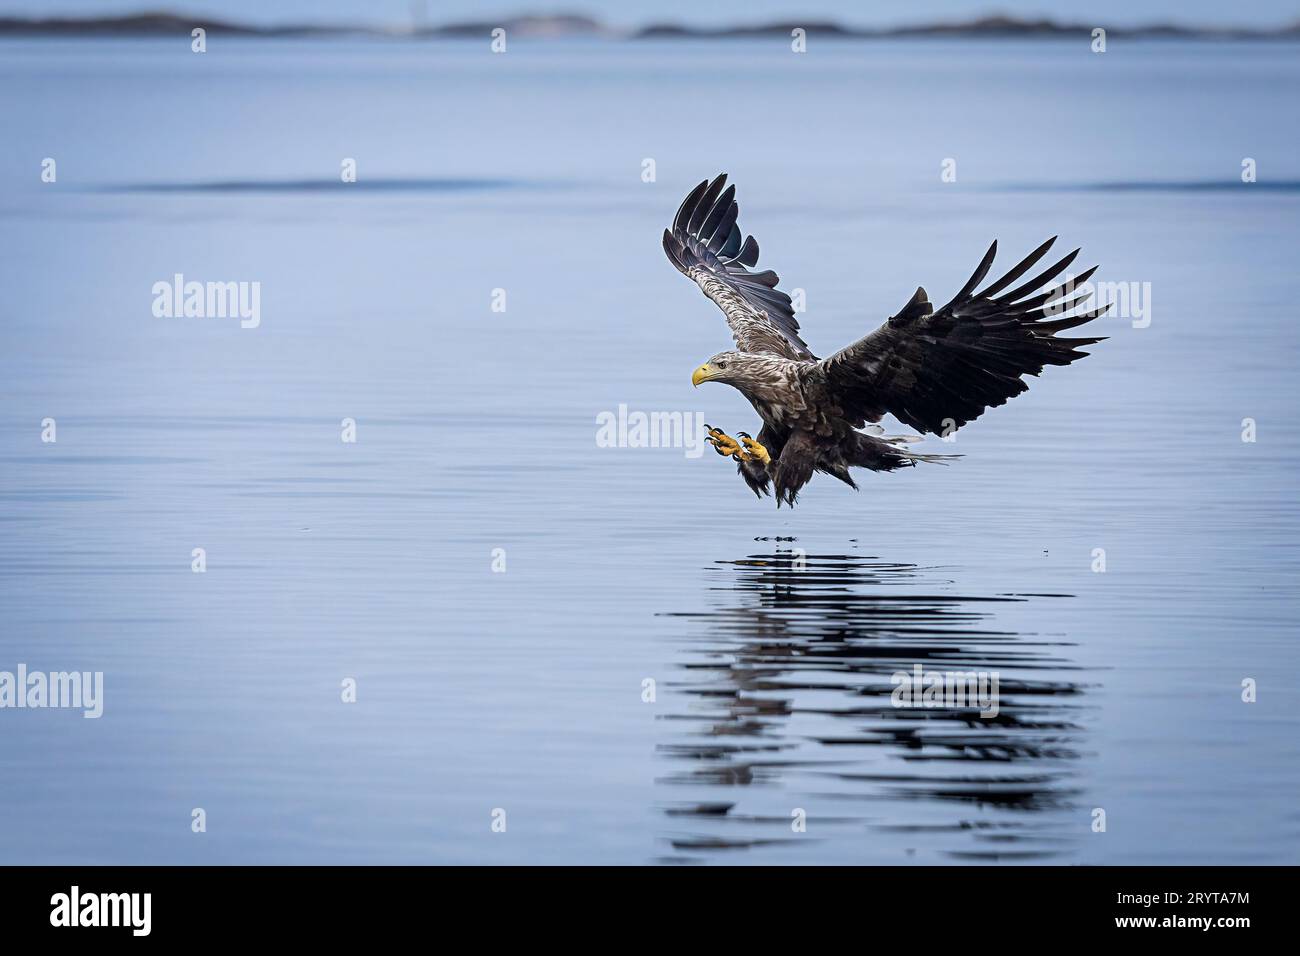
(770, 636)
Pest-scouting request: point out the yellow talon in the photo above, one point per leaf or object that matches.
(724, 444)
(755, 450)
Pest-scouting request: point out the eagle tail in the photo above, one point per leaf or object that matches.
(887, 454)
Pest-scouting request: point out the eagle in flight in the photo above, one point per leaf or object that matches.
(932, 369)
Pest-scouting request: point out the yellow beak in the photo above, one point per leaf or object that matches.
(702, 374)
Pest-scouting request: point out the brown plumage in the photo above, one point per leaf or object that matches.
(932, 369)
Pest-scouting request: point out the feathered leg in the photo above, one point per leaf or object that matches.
(755, 474)
(795, 467)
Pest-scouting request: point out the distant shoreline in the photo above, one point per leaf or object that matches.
(562, 27)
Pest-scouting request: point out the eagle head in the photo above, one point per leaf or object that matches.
(729, 367)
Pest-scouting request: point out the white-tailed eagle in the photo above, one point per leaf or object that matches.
(932, 369)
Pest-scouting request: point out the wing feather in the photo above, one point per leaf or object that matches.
(705, 245)
(938, 370)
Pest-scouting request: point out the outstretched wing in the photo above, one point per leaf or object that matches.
(705, 246)
(938, 370)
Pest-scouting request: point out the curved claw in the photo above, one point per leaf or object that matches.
(724, 444)
(755, 450)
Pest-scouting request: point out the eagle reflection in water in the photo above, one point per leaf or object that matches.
(783, 740)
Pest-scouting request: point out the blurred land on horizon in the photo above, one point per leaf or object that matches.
(577, 25)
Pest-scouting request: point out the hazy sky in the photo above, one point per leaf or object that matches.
(636, 12)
